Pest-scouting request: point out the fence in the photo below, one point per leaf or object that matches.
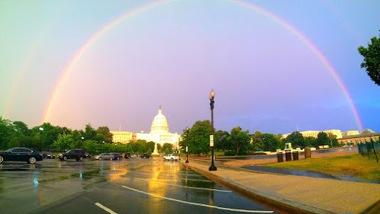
(370, 150)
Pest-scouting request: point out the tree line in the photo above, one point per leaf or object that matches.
(241, 142)
(235, 142)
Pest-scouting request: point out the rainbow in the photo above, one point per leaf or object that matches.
(78, 55)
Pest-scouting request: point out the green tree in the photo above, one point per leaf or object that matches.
(184, 140)
(103, 134)
(323, 139)
(20, 128)
(222, 140)
(240, 139)
(167, 148)
(371, 61)
(310, 142)
(296, 139)
(90, 133)
(257, 142)
(6, 133)
(199, 137)
(271, 142)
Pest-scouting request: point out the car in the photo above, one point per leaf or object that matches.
(171, 157)
(117, 156)
(20, 154)
(88, 155)
(145, 155)
(77, 154)
(48, 154)
(108, 156)
(127, 155)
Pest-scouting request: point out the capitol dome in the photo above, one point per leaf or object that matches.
(159, 124)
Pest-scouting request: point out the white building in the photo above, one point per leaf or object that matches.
(159, 133)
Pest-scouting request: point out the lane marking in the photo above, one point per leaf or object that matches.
(200, 188)
(197, 204)
(105, 208)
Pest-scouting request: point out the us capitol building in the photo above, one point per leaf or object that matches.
(159, 133)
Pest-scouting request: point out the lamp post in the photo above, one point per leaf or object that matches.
(211, 97)
(41, 129)
(187, 145)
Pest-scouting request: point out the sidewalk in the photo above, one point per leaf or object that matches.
(296, 194)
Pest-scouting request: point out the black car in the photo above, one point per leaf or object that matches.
(127, 155)
(117, 156)
(20, 154)
(145, 155)
(77, 154)
(49, 155)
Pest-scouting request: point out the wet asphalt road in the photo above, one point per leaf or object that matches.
(126, 186)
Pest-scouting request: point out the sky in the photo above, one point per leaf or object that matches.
(275, 66)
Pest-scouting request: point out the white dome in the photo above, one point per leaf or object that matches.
(159, 124)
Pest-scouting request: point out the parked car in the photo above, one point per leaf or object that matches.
(77, 154)
(117, 156)
(88, 155)
(20, 154)
(108, 156)
(145, 155)
(171, 157)
(49, 155)
(127, 155)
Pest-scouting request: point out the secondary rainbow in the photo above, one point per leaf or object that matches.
(78, 55)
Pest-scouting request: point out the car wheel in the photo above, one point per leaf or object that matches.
(65, 158)
(1, 159)
(111, 158)
(81, 158)
(32, 160)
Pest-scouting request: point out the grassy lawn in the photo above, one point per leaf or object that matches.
(353, 165)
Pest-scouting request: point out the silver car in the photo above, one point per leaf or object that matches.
(105, 156)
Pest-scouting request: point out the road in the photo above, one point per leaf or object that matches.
(127, 186)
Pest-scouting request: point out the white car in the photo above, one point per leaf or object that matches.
(171, 157)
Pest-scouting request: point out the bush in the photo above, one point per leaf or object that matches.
(233, 153)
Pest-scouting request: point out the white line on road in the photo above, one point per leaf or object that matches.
(197, 204)
(105, 208)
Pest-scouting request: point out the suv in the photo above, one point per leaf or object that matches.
(77, 154)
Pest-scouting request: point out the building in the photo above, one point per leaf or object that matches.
(159, 133)
(121, 137)
(352, 137)
(335, 132)
(366, 136)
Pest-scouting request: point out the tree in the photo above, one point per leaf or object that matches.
(271, 142)
(257, 141)
(199, 137)
(323, 139)
(103, 134)
(6, 132)
(240, 139)
(310, 142)
(222, 140)
(167, 148)
(371, 61)
(296, 138)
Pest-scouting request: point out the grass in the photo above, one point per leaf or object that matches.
(352, 165)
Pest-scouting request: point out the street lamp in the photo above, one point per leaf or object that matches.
(211, 97)
(41, 129)
(187, 145)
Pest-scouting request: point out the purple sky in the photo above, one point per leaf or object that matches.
(172, 54)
